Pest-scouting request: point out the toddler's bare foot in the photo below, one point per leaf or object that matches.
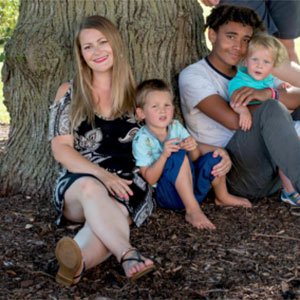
(231, 200)
(199, 220)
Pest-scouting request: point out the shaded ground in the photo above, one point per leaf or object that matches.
(254, 254)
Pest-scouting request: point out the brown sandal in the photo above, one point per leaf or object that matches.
(69, 257)
(136, 257)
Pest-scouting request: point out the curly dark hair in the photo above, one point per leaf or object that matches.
(223, 14)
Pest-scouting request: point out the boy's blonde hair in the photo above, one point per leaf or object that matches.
(279, 52)
(123, 83)
(148, 86)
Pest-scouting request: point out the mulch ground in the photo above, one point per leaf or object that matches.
(253, 254)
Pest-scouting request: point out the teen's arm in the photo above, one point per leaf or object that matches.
(152, 173)
(245, 94)
(215, 107)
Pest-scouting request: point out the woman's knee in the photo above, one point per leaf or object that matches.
(88, 187)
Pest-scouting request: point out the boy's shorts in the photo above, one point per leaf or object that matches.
(166, 194)
(281, 17)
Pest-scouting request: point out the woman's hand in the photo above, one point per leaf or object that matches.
(117, 185)
(224, 166)
(244, 95)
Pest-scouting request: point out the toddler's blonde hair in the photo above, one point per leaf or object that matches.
(279, 52)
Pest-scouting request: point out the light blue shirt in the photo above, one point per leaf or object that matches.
(147, 148)
(242, 78)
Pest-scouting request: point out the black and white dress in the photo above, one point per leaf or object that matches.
(108, 144)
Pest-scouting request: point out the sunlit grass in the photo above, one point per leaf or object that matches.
(4, 116)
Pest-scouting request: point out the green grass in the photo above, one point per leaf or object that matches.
(4, 115)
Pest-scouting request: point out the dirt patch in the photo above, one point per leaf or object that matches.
(254, 254)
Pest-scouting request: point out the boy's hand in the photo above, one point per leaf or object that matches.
(188, 144)
(171, 146)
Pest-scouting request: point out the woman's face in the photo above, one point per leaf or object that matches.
(96, 50)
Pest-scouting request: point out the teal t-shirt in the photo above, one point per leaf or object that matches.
(147, 148)
(242, 78)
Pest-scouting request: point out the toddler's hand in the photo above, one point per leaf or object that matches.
(284, 85)
(245, 120)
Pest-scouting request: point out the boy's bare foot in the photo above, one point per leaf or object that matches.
(199, 220)
(231, 200)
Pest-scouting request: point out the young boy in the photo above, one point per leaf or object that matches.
(164, 151)
(257, 153)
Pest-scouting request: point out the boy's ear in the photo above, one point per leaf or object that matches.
(140, 113)
(212, 35)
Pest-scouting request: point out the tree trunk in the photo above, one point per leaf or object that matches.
(162, 37)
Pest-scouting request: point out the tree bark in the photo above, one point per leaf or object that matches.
(162, 37)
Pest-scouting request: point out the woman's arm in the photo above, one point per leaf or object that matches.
(64, 152)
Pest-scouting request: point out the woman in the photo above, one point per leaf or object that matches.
(91, 130)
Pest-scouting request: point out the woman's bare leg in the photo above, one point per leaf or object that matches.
(107, 223)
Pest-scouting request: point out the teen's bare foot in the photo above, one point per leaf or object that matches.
(199, 220)
(231, 200)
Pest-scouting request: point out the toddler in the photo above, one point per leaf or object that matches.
(265, 52)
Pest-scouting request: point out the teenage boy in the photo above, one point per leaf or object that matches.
(257, 153)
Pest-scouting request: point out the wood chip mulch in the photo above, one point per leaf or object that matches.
(253, 254)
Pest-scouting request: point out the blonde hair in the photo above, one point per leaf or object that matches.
(123, 83)
(148, 86)
(279, 52)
